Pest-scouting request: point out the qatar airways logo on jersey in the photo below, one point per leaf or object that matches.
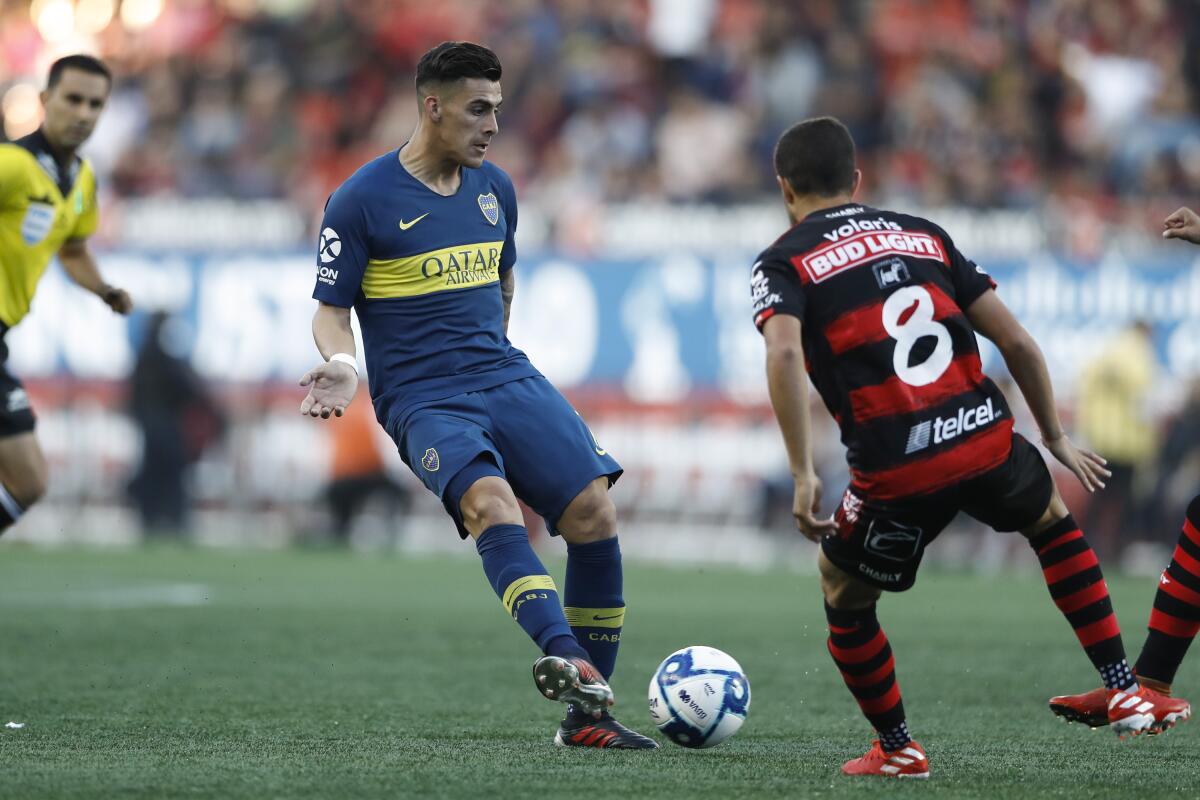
(944, 429)
(865, 246)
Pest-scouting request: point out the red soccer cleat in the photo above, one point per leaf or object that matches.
(1145, 711)
(907, 762)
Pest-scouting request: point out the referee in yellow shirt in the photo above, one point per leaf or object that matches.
(47, 207)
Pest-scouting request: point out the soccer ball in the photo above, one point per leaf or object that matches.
(699, 696)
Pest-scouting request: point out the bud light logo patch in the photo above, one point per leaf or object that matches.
(490, 207)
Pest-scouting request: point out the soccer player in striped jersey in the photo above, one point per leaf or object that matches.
(47, 209)
(883, 309)
(420, 243)
(1175, 617)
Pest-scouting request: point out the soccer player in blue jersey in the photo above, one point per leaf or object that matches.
(419, 242)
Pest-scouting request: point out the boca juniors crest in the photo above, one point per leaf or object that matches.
(490, 207)
(430, 460)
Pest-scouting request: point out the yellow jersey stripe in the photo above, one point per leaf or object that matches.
(530, 583)
(460, 267)
(595, 617)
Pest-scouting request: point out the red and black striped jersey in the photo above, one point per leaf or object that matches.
(881, 299)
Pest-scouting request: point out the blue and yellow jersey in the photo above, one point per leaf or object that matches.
(422, 271)
(42, 205)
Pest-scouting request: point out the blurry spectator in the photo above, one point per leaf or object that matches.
(1178, 468)
(1114, 418)
(1089, 108)
(357, 471)
(178, 421)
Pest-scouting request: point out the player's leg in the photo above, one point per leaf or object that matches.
(1020, 495)
(1077, 586)
(557, 467)
(23, 476)
(449, 448)
(877, 547)
(593, 589)
(1175, 617)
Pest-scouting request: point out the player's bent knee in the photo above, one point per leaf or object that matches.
(1055, 511)
(842, 590)
(490, 501)
(591, 516)
(27, 488)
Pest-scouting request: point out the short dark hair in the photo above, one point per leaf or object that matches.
(78, 61)
(452, 61)
(816, 157)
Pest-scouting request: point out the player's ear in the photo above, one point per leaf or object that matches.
(433, 107)
(789, 195)
(857, 182)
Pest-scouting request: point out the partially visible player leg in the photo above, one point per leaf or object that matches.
(595, 608)
(1077, 586)
(556, 466)
(491, 515)
(592, 592)
(861, 651)
(1175, 618)
(23, 476)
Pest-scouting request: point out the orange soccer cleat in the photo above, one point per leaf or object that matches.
(907, 762)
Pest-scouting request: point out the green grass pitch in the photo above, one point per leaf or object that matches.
(192, 673)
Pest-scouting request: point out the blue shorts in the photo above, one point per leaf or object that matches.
(539, 444)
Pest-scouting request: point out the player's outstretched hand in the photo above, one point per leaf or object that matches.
(1086, 465)
(331, 387)
(806, 507)
(118, 300)
(1183, 224)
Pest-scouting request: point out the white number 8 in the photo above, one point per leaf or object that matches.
(919, 323)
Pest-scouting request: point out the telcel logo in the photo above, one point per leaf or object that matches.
(946, 428)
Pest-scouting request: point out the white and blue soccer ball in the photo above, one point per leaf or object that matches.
(699, 696)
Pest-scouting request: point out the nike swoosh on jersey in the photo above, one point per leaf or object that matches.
(406, 225)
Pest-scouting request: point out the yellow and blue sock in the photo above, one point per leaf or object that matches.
(527, 592)
(594, 605)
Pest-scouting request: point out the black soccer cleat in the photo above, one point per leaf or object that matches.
(573, 680)
(582, 730)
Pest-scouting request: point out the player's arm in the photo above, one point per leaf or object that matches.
(788, 385)
(79, 264)
(1027, 365)
(331, 385)
(508, 287)
(1183, 224)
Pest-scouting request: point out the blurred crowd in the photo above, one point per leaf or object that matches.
(1086, 106)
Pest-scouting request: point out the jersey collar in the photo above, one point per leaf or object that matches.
(63, 174)
(831, 212)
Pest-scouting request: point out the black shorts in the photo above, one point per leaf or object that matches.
(16, 415)
(882, 543)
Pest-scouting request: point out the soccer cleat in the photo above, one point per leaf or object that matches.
(581, 730)
(573, 680)
(1090, 708)
(1145, 711)
(907, 762)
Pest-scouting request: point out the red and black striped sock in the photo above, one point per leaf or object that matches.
(862, 654)
(1077, 587)
(1175, 618)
